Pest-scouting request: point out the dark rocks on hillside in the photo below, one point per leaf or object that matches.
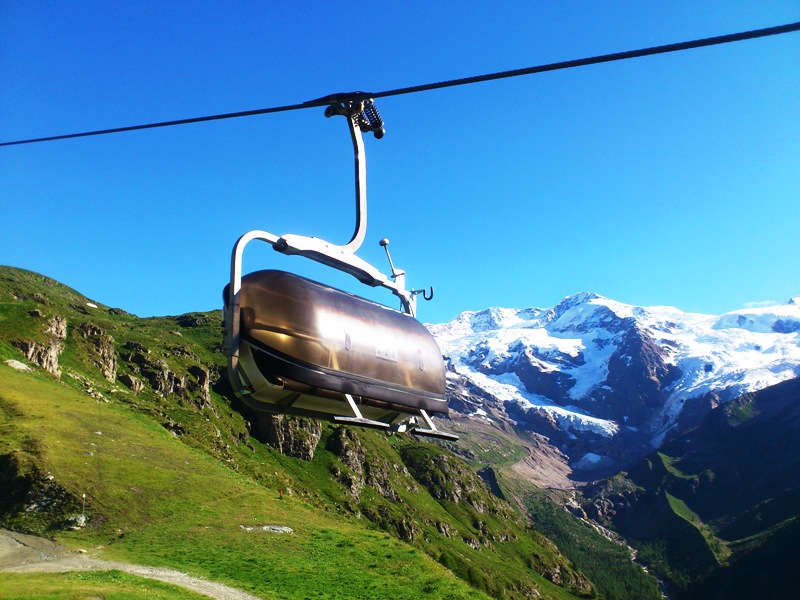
(448, 478)
(548, 383)
(694, 409)
(161, 378)
(489, 476)
(136, 347)
(46, 353)
(57, 328)
(539, 421)
(202, 382)
(194, 320)
(103, 351)
(344, 444)
(194, 386)
(401, 526)
(32, 500)
(136, 357)
(290, 436)
(176, 429)
(79, 308)
(133, 383)
(181, 351)
(363, 469)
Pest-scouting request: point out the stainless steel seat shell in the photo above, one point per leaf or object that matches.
(303, 345)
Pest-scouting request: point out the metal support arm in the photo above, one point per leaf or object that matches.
(361, 115)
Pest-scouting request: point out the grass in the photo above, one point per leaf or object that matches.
(679, 507)
(155, 501)
(671, 468)
(93, 585)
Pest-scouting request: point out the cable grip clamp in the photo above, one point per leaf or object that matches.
(362, 111)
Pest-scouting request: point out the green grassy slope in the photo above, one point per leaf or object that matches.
(152, 499)
(174, 478)
(109, 585)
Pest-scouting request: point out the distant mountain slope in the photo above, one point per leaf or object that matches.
(135, 413)
(716, 510)
(606, 382)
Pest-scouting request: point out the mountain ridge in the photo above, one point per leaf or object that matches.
(594, 368)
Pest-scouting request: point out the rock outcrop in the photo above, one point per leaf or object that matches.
(46, 353)
(290, 436)
(359, 469)
(103, 350)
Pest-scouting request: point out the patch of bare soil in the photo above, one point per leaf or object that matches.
(21, 553)
(546, 466)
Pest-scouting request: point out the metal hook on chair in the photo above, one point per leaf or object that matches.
(424, 293)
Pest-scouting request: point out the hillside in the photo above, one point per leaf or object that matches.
(716, 510)
(135, 414)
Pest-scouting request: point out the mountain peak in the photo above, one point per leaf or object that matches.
(584, 307)
(592, 370)
(581, 298)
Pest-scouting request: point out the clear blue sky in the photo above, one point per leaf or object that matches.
(672, 180)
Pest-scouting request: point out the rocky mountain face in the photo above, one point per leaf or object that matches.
(716, 509)
(607, 382)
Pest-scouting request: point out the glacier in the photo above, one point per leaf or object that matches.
(595, 365)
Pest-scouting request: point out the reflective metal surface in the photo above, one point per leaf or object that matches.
(311, 336)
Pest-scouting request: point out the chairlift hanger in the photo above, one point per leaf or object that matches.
(296, 346)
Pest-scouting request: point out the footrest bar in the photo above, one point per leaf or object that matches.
(436, 433)
(361, 422)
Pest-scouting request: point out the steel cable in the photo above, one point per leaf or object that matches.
(327, 100)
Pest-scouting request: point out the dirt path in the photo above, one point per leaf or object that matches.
(21, 553)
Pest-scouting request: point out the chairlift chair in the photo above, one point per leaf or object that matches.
(300, 347)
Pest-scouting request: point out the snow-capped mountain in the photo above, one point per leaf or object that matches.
(607, 381)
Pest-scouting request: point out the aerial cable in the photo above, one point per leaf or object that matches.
(328, 100)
